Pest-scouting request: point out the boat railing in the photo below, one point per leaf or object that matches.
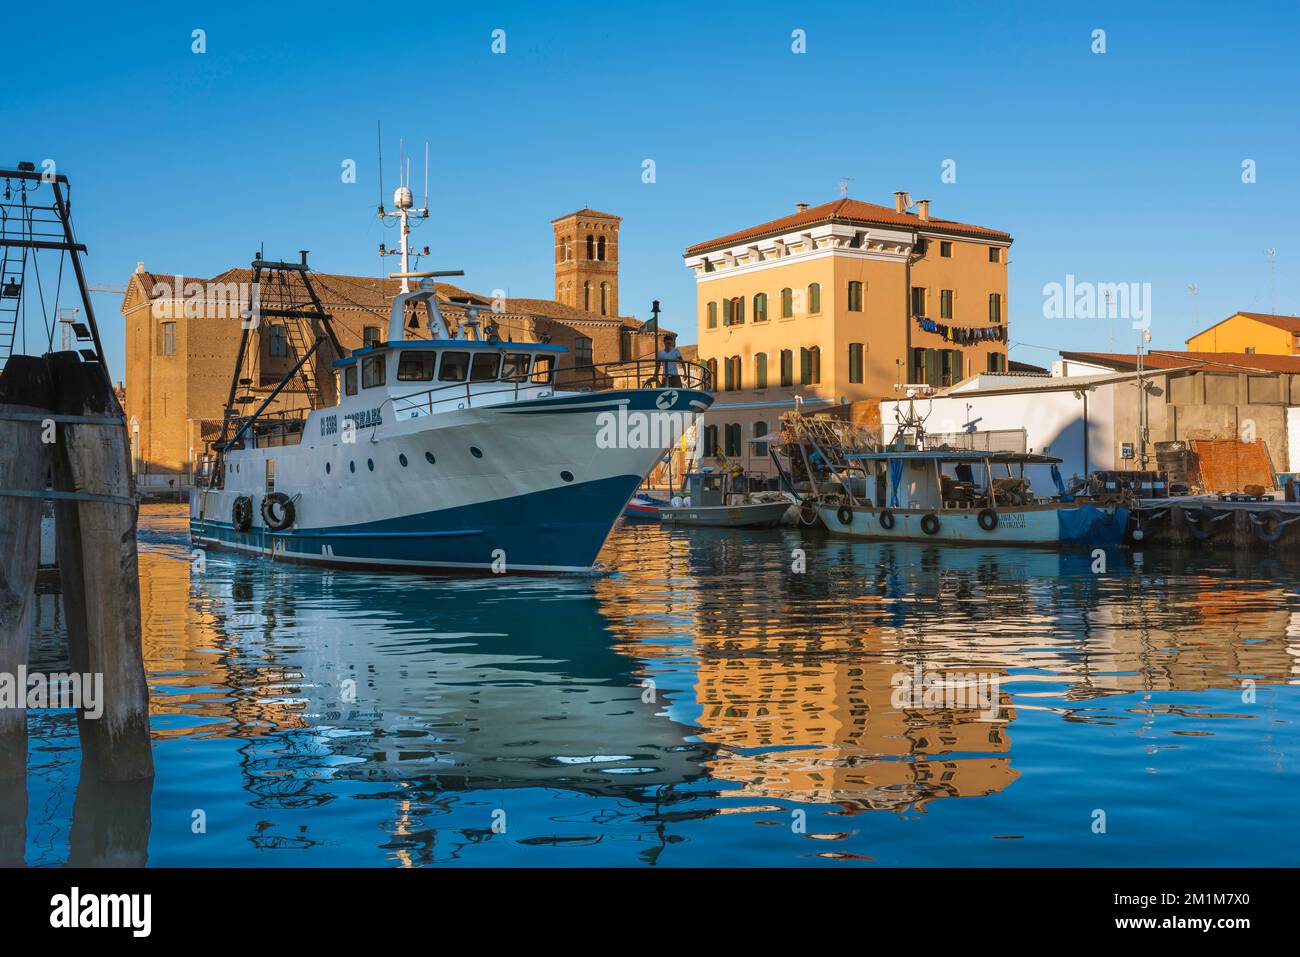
(599, 377)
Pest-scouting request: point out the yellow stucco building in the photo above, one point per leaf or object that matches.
(1250, 332)
(842, 302)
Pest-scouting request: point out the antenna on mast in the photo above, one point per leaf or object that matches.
(379, 130)
(426, 176)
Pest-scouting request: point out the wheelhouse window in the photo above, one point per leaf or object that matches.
(416, 366)
(454, 367)
(372, 371)
(370, 337)
(486, 367)
(582, 351)
(515, 367)
(543, 368)
(350, 379)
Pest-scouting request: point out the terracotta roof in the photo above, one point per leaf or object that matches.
(1025, 368)
(376, 294)
(1165, 359)
(587, 211)
(853, 211)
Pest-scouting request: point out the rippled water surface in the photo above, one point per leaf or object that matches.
(704, 704)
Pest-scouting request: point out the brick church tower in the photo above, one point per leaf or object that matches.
(586, 261)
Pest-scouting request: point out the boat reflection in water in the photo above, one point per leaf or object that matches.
(725, 697)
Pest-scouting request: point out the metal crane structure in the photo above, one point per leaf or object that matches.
(36, 221)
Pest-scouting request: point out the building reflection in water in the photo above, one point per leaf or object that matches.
(706, 675)
(797, 672)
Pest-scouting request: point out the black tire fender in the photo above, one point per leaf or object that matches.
(930, 524)
(844, 514)
(286, 517)
(241, 514)
(886, 519)
(988, 519)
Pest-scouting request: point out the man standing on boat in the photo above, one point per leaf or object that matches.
(668, 363)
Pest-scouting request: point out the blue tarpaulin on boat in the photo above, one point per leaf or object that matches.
(895, 476)
(1090, 525)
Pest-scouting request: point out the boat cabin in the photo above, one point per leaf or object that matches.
(951, 479)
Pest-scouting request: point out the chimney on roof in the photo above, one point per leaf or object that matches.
(900, 201)
(801, 207)
(923, 209)
(139, 267)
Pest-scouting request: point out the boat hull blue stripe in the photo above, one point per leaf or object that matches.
(557, 529)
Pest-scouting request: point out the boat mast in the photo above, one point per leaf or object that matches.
(403, 210)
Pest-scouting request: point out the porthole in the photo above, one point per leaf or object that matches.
(428, 457)
(327, 468)
(475, 451)
(370, 464)
(352, 466)
(566, 475)
(402, 458)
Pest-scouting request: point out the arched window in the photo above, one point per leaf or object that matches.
(710, 440)
(810, 366)
(787, 303)
(591, 247)
(731, 374)
(600, 248)
(586, 295)
(855, 296)
(711, 366)
(760, 307)
(760, 430)
(737, 311)
(713, 315)
(760, 371)
(732, 438)
(604, 296)
(787, 367)
(814, 298)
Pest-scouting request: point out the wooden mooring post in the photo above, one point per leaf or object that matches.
(96, 515)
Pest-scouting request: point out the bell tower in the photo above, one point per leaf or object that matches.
(586, 261)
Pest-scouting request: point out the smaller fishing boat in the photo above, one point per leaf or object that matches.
(642, 508)
(710, 502)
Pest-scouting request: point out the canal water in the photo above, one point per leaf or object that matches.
(718, 698)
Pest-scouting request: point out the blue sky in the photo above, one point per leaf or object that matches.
(1117, 167)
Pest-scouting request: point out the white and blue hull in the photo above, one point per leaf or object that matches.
(515, 486)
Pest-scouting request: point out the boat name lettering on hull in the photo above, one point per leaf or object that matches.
(329, 424)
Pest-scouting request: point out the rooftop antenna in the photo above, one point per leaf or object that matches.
(1271, 255)
(844, 184)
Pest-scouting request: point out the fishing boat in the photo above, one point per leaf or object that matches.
(459, 452)
(709, 502)
(916, 489)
